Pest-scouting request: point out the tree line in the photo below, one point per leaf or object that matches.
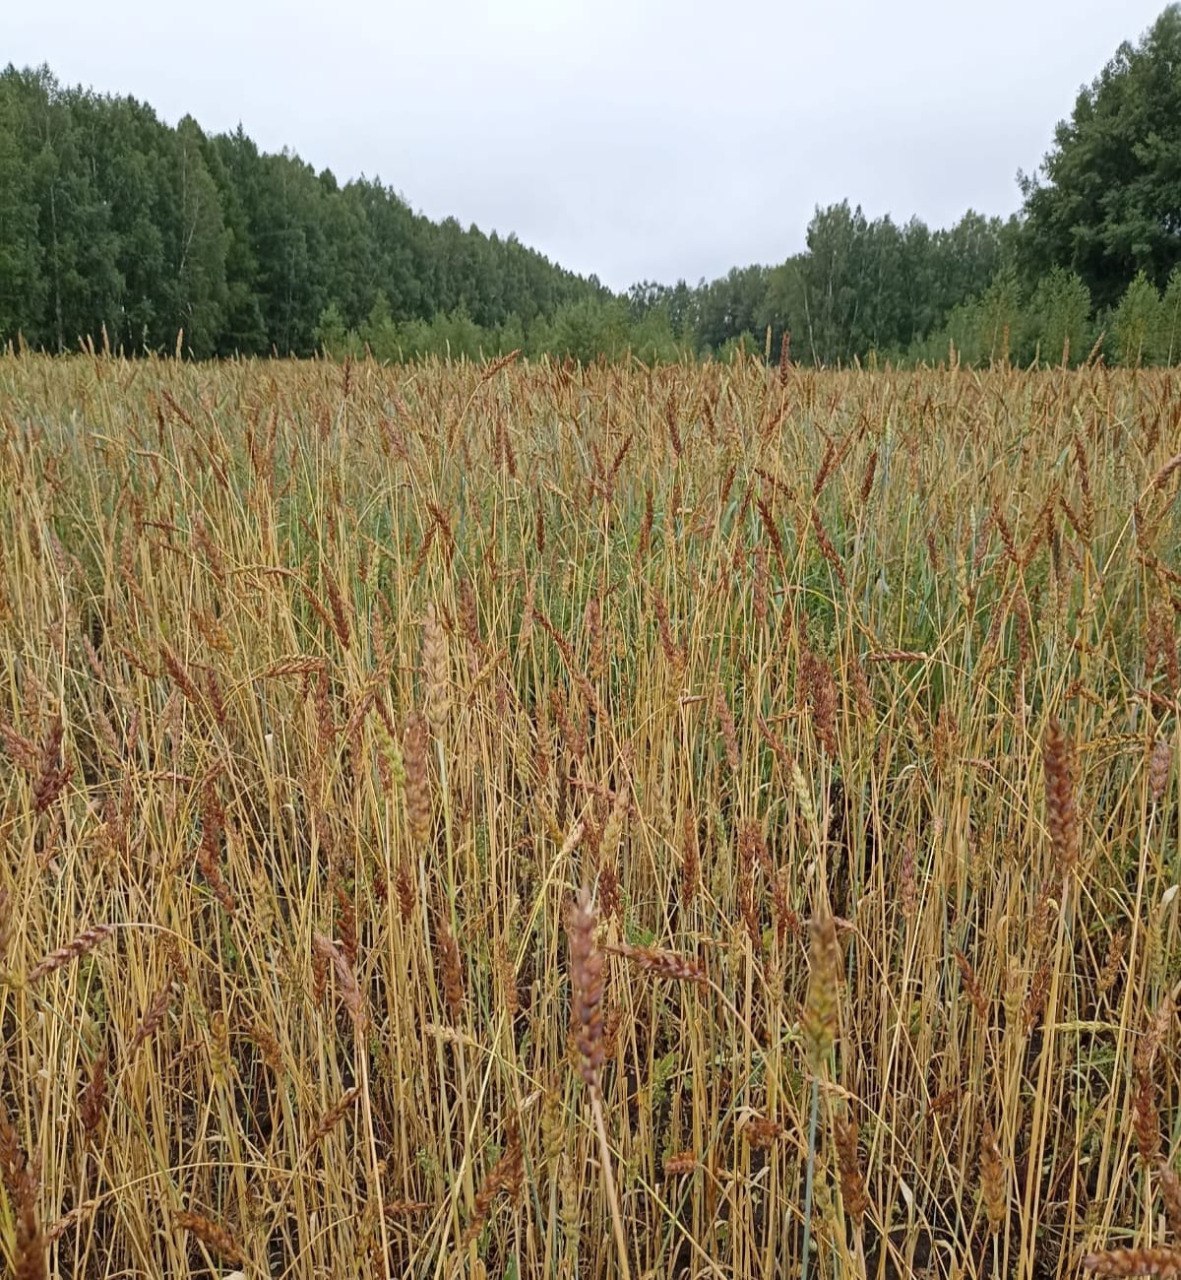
(873, 290)
(113, 222)
(116, 225)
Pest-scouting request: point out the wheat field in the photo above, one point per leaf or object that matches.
(849, 699)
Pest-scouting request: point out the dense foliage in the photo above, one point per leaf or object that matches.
(113, 222)
(1111, 203)
(111, 219)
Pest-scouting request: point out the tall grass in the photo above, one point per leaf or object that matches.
(323, 692)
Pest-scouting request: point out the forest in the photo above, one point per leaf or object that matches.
(117, 228)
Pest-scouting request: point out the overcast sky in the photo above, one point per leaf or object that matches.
(638, 139)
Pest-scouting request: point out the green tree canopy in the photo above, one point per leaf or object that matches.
(1108, 201)
(114, 222)
(1136, 322)
(1059, 317)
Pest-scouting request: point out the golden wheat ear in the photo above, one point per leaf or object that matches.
(587, 984)
(1164, 1261)
(586, 980)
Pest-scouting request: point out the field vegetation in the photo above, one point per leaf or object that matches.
(851, 700)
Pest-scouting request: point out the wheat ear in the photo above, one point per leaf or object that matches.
(587, 966)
